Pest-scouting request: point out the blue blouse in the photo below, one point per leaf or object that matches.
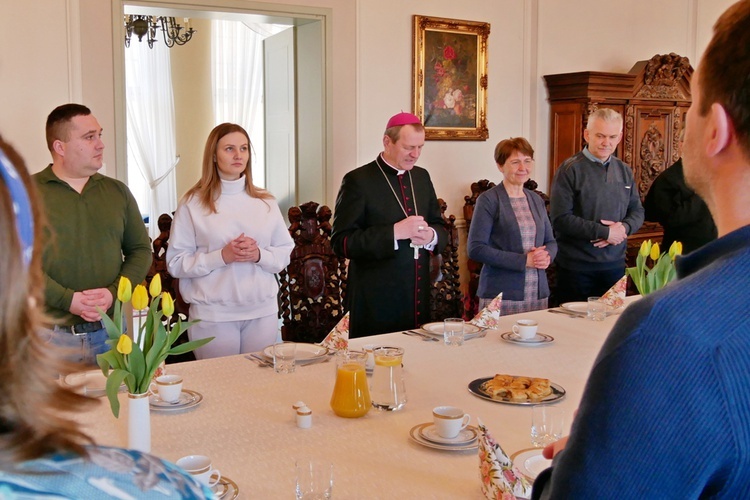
(108, 473)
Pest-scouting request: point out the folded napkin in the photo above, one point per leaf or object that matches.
(490, 315)
(338, 338)
(615, 296)
(500, 478)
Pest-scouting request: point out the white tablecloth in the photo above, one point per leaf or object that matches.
(246, 422)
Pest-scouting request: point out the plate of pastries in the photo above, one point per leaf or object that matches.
(516, 389)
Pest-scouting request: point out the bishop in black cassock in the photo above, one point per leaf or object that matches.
(388, 289)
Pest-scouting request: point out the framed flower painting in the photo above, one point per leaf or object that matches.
(450, 78)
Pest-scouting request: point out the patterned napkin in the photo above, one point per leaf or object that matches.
(615, 296)
(490, 315)
(500, 478)
(338, 338)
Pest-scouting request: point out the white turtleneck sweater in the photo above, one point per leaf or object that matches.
(228, 292)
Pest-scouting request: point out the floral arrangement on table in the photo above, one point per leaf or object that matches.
(132, 363)
(662, 271)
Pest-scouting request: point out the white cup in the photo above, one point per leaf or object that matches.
(449, 421)
(169, 387)
(199, 466)
(525, 328)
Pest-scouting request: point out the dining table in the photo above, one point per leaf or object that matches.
(246, 424)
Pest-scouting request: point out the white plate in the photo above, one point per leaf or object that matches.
(539, 339)
(530, 462)
(436, 330)
(188, 399)
(582, 308)
(91, 383)
(465, 436)
(415, 435)
(305, 353)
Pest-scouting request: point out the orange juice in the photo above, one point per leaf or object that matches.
(351, 396)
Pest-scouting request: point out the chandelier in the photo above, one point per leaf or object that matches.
(148, 25)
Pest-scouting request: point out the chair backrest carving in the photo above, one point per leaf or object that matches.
(446, 299)
(471, 302)
(168, 282)
(312, 287)
(477, 188)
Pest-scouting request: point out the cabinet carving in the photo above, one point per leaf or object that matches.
(652, 97)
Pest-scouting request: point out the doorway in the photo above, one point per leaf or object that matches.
(296, 166)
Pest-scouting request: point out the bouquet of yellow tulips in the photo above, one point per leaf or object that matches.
(649, 279)
(134, 363)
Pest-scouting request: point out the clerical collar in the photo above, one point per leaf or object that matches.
(593, 158)
(400, 172)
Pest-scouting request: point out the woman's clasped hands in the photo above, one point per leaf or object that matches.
(538, 258)
(241, 249)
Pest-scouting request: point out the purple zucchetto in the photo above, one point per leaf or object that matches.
(403, 119)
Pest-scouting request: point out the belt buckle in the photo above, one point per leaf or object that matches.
(74, 332)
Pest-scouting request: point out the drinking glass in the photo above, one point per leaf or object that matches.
(546, 425)
(284, 354)
(596, 310)
(453, 331)
(388, 391)
(314, 479)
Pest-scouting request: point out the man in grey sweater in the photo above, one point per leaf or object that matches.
(594, 206)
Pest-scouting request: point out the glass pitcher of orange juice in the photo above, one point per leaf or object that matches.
(351, 396)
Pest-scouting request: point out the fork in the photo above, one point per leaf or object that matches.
(264, 363)
(421, 335)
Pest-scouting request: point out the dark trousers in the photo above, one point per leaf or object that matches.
(576, 286)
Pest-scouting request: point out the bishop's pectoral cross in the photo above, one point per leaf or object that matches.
(416, 250)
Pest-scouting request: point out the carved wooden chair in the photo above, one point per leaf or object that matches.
(168, 282)
(552, 269)
(312, 287)
(471, 301)
(446, 300)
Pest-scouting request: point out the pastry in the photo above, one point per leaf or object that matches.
(517, 388)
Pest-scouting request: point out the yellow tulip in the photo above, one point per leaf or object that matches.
(124, 290)
(645, 248)
(167, 304)
(140, 298)
(155, 287)
(655, 251)
(124, 345)
(675, 249)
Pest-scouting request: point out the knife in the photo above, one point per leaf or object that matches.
(572, 314)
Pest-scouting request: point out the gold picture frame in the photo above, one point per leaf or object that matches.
(450, 78)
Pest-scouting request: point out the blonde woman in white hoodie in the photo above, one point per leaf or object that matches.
(228, 239)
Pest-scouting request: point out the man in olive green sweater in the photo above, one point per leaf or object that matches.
(95, 234)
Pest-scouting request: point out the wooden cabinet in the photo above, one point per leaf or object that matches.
(652, 97)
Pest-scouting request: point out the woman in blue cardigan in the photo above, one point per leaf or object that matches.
(512, 236)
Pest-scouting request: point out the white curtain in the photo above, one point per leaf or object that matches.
(237, 77)
(151, 128)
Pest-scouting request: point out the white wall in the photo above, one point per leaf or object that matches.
(69, 58)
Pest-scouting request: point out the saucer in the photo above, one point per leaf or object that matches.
(465, 436)
(188, 399)
(415, 435)
(539, 338)
(226, 489)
